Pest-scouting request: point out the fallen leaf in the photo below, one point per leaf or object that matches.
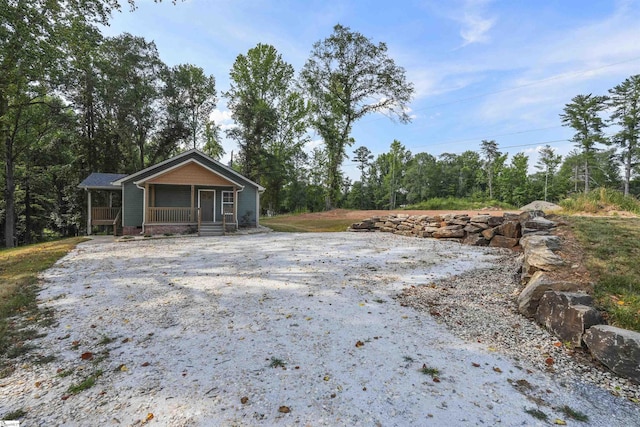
(560, 422)
(38, 384)
(498, 370)
(244, 400)
(126, 340)
(66, 396)
(145, 364)
(436, 379)
(475, 365)
(557, 344)
(86, 355)
(326, 378)
(284, 409)
(491, 348)
(549, 361)
(620, 302)
(359, 344)
(93, 326)
(123, 368)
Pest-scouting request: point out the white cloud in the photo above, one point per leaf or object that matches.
(222, 119)
(475, 26)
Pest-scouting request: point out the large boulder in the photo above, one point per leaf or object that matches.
(503, 242)
(539, 223)
(539, 255)
(509, 229)
(540, 282)
(475, 239)
(567, 315)
(449, 232)
(618, 349)
(481, 219)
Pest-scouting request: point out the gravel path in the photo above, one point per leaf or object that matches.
(293, 329)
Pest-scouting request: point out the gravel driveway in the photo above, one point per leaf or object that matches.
(280, 329)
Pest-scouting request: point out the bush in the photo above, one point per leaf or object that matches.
(601, 199)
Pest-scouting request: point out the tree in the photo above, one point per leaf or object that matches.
(624, 99)
(348, 77)
(582, 114)
(271, 119)
(548, 162)
(491, 155)
(421, 178)
(363, 157)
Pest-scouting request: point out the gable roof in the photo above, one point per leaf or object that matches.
(101, 181)
(187, 156)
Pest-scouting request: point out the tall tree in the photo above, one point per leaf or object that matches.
(271, 119)
(583, 115)
(348, 77)
(194, 96)
(363, 158)
(548, 162)
(491, 155)
(624, 99)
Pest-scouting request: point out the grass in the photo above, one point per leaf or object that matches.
(19, 269)
(601, 200)
(277, 363)
(612, 250)
(537, 414)
(85, 384)
(433, 372)
(458, 204)
(576, 415)
(14, 415)
(302, 223)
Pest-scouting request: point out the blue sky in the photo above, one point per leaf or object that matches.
(482, 69)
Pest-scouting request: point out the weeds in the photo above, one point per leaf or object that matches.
(277, 363)
(433, 372)
(576, 415)
(106, 340)
(537, 414)
(85, 384)
(65, 373)
(14, 415)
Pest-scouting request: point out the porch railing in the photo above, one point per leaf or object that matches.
(103, 215)
(172, 215)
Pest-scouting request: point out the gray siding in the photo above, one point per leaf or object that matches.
(247, 207)
(173, 196)
(133, 199)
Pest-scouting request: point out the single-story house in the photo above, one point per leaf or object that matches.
(190, 192)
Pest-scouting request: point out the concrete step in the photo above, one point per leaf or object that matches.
(211, 230)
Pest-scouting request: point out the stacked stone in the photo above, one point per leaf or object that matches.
(566, 309)
(477, 230)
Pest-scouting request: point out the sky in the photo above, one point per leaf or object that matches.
(499, 70)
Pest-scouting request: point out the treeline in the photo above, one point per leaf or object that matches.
(73, 102)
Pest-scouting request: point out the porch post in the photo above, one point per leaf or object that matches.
(193, 201)
(235, 205)
(146, 206)
(88, 212)
(110, 199)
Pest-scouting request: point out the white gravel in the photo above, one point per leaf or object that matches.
(184, 329)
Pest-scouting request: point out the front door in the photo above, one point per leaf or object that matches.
(207, 205)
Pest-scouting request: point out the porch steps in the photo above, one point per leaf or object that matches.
(211, 230)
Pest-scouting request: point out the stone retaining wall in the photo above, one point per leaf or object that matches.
(563, 307)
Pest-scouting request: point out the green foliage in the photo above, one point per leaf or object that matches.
(453, 203)
(85, 384)
(599, 200)
(612, 258)
(14, 415)
(573, 414)
(537, 414)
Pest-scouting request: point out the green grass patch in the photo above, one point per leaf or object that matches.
(612, 252)
(572, 413)
(601, 200)
(457, 204)
(537, 414)
(14, 415)
(19, 269)
(305, 223)
(277, 363)
(85, 384)
(433, 372)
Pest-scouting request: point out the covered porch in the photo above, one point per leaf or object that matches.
(104, 201)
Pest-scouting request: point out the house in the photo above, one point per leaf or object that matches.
(188, 193)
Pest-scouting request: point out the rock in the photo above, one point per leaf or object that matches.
(540, 282)
(539, 223)
(431, 229)
(550, 242)
(538, 254)
(361, 225)
(470, 228)
(530, 214)
(503, 242)
(460, 222)
(446, 233)
(509, 229)
(387, 229)
(494, 221)
(480, 218)
(567, 315)
(488, 234)
(616, 348)
(510, 216)
(475, 239)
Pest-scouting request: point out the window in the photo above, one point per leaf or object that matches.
(227, 202)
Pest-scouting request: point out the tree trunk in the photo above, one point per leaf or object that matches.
(9, 185)
(586, 175)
